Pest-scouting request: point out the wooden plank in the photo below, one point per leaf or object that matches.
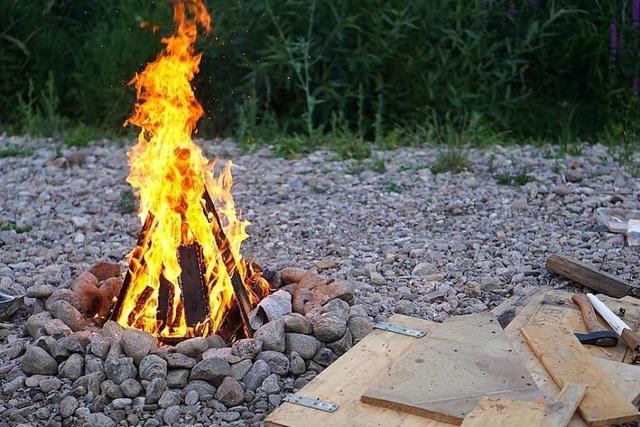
(490, 412)
(568, 362)
(626, 377)
(347, 379)
(444, 377)
(560, 412)
(591, 276)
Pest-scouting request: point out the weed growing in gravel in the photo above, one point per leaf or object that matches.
(81, 135)
(12, 226)
(355, 169)
(392, 187)
(451, 159)
(15, 150)
(127, 203)
(518, 179)
(378, 166)
(318, 190)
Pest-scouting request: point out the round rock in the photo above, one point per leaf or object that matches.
(212, 370)
(37, 361)
(152, 366)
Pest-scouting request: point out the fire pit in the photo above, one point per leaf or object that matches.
(192, 322)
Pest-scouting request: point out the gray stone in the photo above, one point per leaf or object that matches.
(359, 327)
(68, 406)
(278, 362)
(131, 388)
(305, 345)
(272, 335)
(72, 368)
(90, 382)
(212, 370)
(215, 341)
(68, 314)
(258, 372)
(192, 397)
(37, 361)
(338, 307)
(119, 369)
(240, 369)
(111, 390)
(270, 384)
(155, 388)
(99, 420)
(342, 345)
(92, 364)
(36, 324)
(296, 363)
(328, 327)
(48, 384)
(39, 291)
(205, 390)
(193, 347)
(178, 378)
(121, 402)
(296, 323)
(152, 366)
(179, 360)
(230, 392)
(137, 344)
(169, 398)
(100, 346)
(171, 415)
(247, 348)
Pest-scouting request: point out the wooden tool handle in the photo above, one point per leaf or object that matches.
(588, 313)
(590, 276)
(632, 339)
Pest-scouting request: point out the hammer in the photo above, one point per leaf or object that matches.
(597, 335)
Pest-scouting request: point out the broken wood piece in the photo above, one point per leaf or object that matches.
(490, 412)
(444, 375)
(590, 276)
(616, 219)
(567, 361)
(9, 304)
(559, 413)
(346, 379)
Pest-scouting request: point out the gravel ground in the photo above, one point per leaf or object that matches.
(426, 245)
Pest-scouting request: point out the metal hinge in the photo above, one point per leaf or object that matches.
(311, 403)
(386, 326)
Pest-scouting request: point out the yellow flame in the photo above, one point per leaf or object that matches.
(171, 175)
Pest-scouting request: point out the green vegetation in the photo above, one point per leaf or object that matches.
(14, 150)
(451, 159)
(12, 226)
(305, 74)
(127, 203)
(518, 179)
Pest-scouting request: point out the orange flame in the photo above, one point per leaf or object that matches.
(171, 174)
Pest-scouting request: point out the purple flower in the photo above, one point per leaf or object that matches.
(613, 42)
(512, 9)
(533, 4)
(635, 14)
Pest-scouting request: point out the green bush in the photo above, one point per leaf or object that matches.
(394, 71)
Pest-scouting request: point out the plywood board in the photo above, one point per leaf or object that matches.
(566, 361)
(347, 379)
(491, 412)
(445, 376)
(626, 377)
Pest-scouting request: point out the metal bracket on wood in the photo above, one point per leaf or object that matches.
(386, 326)
(321, 405)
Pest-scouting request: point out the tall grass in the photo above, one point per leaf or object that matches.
(302, 70)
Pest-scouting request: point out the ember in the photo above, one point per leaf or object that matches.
(186, 275)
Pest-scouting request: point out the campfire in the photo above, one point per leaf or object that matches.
(186, 275)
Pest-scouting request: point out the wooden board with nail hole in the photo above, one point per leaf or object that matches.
(446, 375)
(626, 377)
(507, 413)
(566, 361)
(344, 381)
